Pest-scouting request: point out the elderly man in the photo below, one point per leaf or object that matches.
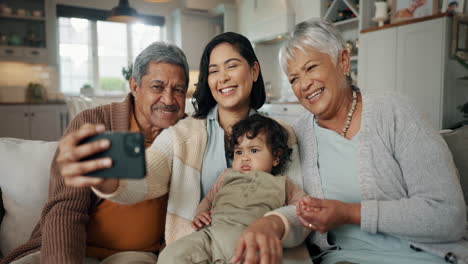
(78, 227)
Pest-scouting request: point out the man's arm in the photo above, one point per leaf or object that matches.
(66, 213)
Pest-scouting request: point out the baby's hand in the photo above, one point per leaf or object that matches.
(304, 210)
(201, 220)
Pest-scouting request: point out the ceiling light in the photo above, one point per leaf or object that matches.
(123, 13)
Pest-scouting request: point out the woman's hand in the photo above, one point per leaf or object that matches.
(260, 242)
(322, 215)
(72, 168)
(201, 220)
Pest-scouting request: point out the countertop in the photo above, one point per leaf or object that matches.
(25, 103)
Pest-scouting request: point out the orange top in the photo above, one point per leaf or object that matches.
(116, 227)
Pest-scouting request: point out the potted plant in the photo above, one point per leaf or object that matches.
(87, 90)
(36, 93)
(127, 71)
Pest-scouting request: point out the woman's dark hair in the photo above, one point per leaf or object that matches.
(275, 134)
(203, 101)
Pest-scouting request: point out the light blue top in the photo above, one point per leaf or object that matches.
(342, 183)
(408, 181)
(215, 159)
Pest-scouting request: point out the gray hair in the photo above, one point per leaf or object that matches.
(317, 34)
(160, 52)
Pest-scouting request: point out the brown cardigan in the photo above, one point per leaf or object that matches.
(61, 231)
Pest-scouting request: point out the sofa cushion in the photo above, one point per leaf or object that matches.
(24, 170)
(457, 141)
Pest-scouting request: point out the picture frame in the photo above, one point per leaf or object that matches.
(410, 9)
(453, 6)
(460, 36)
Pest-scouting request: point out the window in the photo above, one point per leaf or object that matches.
(94, 52)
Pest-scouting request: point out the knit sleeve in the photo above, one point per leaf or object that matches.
(297, 233)
(66, 213)
(207, 203)
(433, 209)
(159, 158)
(293, 193)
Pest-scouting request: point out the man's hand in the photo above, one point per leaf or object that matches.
(260, 242)
(201, 220)
(73, 169)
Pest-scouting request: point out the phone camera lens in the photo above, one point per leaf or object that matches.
(132, 144)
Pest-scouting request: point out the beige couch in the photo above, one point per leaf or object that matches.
(24, 178)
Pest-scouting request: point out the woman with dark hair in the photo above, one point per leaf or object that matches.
(203, 100)
(191, 154)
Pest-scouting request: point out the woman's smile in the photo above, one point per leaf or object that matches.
(316, 95)
(228, 90)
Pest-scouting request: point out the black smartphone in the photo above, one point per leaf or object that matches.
(127, 151)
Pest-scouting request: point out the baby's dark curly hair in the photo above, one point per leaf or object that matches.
(275, 134)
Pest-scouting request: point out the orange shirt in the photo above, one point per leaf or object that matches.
(116, 227)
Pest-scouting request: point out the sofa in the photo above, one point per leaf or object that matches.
(24, 178)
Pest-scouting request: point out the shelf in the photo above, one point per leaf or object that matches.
(353, 58)
(405, 22)
(21, 46)
(352, 5)
(347, 21)
(23, 17)
(338, 5)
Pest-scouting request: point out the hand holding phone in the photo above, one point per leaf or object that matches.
(72, 168)
(127, 151)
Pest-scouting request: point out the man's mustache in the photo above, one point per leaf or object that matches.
(167, 108)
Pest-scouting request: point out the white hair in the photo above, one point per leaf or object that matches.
(317, 34)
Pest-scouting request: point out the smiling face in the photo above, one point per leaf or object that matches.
(230, 77)
(318, 83)
(253, 155)
(160, 98)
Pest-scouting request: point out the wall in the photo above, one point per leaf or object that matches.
(306, 9)
(19, 75)
(192, 32)
(277, 85)
(276, 82)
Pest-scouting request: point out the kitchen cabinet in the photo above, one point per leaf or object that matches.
(350, 17)
(27, 31)
(345, 15)
(191, 33)
(414, 60)
(33, 121)
(342, 12)
(377, 60)
(287, 112)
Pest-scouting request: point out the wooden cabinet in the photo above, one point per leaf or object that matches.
(27, 31)
(37, 122)
(414, 60)
(377, 60)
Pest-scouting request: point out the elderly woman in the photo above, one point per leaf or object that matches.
(384, 183)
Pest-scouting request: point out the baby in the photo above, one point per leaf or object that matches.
(240, 195)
